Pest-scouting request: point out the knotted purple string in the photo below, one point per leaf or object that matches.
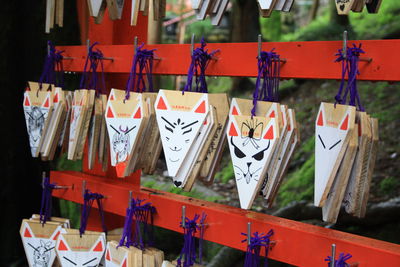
(89, 198)
(143, 60)
(139, 216)
(349, 70)
(89, 78)
(200, 60)
(188, 252)
(267, 83)
(52, 66)
(257, 242)
(45, 207)
(341, 261)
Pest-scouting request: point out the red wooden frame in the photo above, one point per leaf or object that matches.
(296, 243)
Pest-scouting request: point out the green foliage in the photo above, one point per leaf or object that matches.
(71, 211)
(271, 27)
(219, 84)
(389, 186)
(200, 29)
(225, 174)
(299, 185)
(386, 24)
(63, 164)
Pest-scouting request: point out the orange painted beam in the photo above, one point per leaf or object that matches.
(297, 243)
(305, 60)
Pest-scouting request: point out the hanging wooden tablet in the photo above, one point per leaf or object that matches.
(124, 121)
(217, 16)
(63, 141)
(333, 128)
(197, 153)
(360, 162)
(78, 113)
(56, 124)
(358, 6)
(119, 256)
(266, 7)
(75, 250)
(196, 4)
(135, 11)
(331, 208)
(65, 223)
(103, 137)
(94, 131)
(288, 5)
(371, 165)
(293, 145)
(343, 7)
(115, 8)
(158, 255)
(38, 107)
(252, 141)
(279, 5)
(202, 12)
(179, 118)
(39, 241)
(94, 7)
(60, 13)
(215, 150)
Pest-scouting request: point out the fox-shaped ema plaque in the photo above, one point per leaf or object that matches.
(179, 118)
(39, 241)
(74, 250)
(38, 106)
(252, 141)
(124, 119)
(332, 133)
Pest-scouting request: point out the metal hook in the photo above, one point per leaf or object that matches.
(259, 49)
(333, 259)
(88, 49)
(48, 49)
(130, 199)
(43, 178)
(344, 49)
(183, 216)
(192, 44)
(135, 43)
(249, 233)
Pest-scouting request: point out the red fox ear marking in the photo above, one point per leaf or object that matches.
(345, 123)
(201, 108)
(138, 114)
(46, 104)
(62, 246)
(27, 233)
(108, 255)
(161, 104)
(234, 111)
(26, 102)
(110, 114)
(270, 133)
(98, 247)
(272, 114)
(320, 121)
(232, 130)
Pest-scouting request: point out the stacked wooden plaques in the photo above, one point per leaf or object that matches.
(188, 125)
(345, 6)
(214, 8)
(345, 150)
(267, 6)
(54, 14)
(260, 147)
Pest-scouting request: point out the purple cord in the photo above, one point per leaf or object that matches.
(268, 77)
(89, 198)
(349, 70)
(45, 207)
(198, 65)
(143, 60)
(53, 71)
(341, 261)
(257, 242)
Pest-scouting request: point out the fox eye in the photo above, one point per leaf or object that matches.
(322, 142)
(259, 156)
(335, 144)
(239, 153)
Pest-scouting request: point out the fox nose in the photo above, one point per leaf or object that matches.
(248, 164)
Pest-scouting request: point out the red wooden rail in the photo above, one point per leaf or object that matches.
(297, 243)
(305, 60)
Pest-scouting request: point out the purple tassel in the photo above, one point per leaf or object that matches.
(349, 71)
(341, 261)
(53, 71)
(200, 60)
(45, 207)
(188, 253)
(139, 216)
(143, 60)
(267, 83)
(89, 198)
(257, 242)
(90, 76)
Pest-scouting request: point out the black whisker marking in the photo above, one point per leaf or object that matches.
(322, 142)
(170, 124)
(33, 247)
(184, 127)
(89, 261)
(335, 144)
(130, 129)
(188, 131)
(115, 129)
(169, 129)
(69, 260)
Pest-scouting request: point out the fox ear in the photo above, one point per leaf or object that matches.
(62, 246)
(161, 104)
(46, 102)
(110, 113)
(270, 132)
(320, 120)
(200, 107)
(27, 103)
(98, 247)
(232, 129)
(345, 123)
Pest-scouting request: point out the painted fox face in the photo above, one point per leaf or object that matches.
(123, 120)
(116, 256)
(179, 119)
(35, 115)
(76, 251)
(331, 134)
(251, 143)
(39, 242)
